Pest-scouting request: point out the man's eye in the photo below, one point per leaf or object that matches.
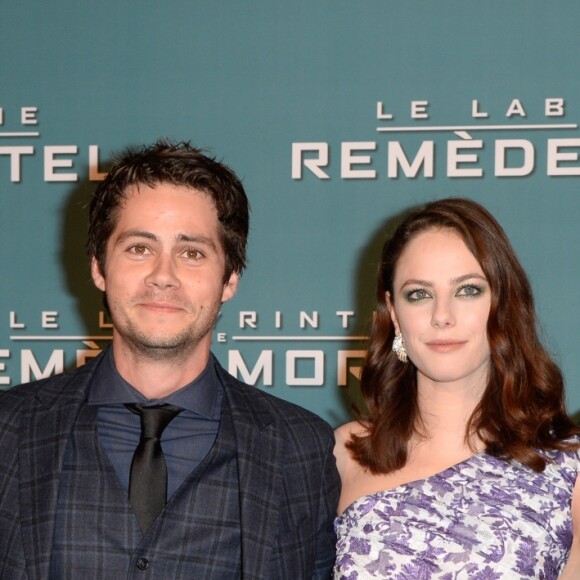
(138, 249)
(193, 254)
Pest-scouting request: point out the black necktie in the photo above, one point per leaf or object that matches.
(148, 478)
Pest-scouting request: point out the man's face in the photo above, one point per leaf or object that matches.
(164, 271)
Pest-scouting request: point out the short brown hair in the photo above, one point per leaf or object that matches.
(182, 165)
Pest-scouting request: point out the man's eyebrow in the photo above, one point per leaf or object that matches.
(136, 234)
(196, 239)
(179, 238)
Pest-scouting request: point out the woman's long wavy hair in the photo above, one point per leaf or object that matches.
(522, 409)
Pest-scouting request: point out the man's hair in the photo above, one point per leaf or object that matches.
(522, 409)
(178, 164)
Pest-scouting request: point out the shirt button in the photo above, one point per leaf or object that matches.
(142, 563)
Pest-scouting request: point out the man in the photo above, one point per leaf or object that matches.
(229, 482)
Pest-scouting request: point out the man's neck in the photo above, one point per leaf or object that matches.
(155, 378)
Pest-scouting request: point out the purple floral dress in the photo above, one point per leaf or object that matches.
(482, 519)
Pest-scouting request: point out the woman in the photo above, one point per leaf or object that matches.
(465, 462)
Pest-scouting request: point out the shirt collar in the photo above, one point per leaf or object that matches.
(199, 396)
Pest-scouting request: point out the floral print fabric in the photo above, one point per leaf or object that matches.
(482, 519)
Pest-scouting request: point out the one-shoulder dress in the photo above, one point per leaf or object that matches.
(482, 519)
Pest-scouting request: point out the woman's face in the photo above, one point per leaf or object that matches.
(441, 304)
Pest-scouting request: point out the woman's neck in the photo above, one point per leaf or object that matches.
(445, 410)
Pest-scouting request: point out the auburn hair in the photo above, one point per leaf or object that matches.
(522, 410)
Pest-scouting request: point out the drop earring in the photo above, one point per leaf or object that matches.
(399, 348)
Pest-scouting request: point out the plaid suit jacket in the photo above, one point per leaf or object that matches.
(288, 481)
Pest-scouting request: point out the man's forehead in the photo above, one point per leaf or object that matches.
(137, 188)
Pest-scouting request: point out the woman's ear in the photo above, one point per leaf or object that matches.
(391, 309)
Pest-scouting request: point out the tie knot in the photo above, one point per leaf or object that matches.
(154, 419)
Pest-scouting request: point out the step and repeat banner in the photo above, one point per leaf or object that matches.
(339, 116)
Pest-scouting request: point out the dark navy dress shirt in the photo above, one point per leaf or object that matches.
(186, 440)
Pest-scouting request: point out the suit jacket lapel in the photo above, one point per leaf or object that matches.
(44, 432)
(260, 452)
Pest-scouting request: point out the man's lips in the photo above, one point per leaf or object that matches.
(160, 306)
(446, 345)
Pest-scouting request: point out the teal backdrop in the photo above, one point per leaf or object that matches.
(338, 115)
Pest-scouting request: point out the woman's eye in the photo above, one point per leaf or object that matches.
(469, 290)
(416, 295)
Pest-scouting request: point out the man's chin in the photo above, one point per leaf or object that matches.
(162, 348)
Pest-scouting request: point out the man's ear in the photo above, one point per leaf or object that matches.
(97, 274)
(230, 287)
(391, 309)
